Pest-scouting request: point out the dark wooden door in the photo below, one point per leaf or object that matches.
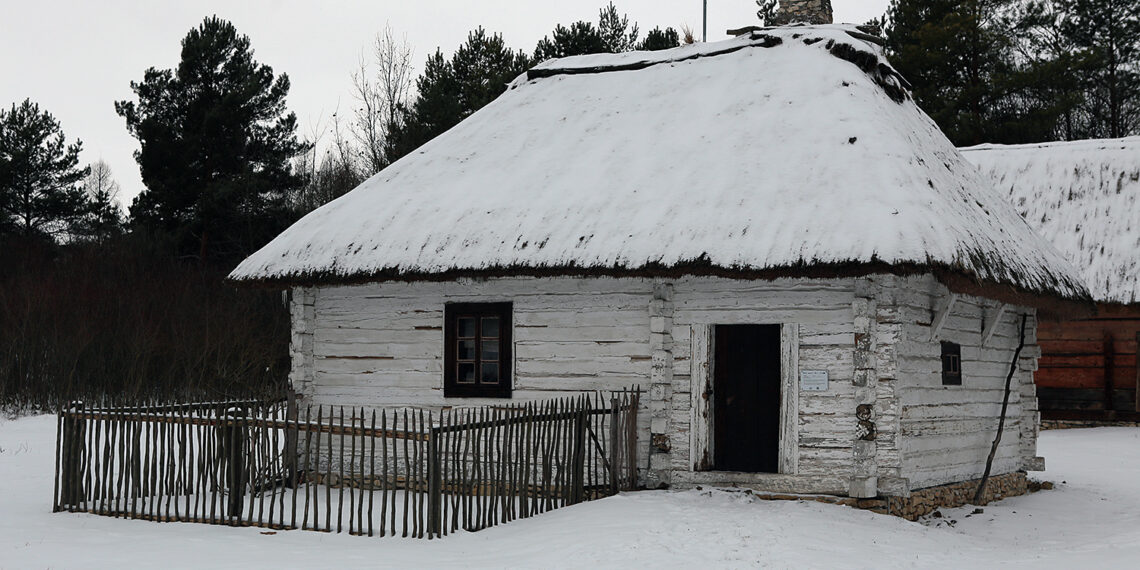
(746, 398)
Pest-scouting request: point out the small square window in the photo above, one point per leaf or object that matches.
(477, 351)
(951, 364)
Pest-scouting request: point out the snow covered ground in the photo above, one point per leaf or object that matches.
(1091, 520)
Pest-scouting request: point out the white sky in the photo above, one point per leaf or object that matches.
(75, 58)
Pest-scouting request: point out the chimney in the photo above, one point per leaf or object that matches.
(802, 11)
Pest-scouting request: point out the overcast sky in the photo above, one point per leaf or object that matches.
(75, 58)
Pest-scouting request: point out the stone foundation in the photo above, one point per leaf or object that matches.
(1070, 424)
(925, 501)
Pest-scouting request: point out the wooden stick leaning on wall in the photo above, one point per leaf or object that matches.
(980, 493)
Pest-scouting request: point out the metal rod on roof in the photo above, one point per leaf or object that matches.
(705, 22)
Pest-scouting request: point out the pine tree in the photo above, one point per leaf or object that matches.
(617, 36)
(216, 144)
(657, 39)
(40, 191)
(1105, 37)
(580, 38)
(482, 68)
(449, 91)
(613, 34)
(959, 56)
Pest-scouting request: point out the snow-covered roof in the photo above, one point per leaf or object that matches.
(794, 149)
(1084, 196)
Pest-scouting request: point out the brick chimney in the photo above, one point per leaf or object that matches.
(804, 11)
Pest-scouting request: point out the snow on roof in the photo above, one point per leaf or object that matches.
(1084, 196)
(782, 149)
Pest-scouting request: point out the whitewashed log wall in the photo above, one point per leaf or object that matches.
(824, 421)
(380, 345)
(946, 431)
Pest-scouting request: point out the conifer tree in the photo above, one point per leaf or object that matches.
(40, 191)
(959, 56)
(617, 36)
(448, 91)
(1105, 35)
(216, 144)
(658, 39)
(580, 38)
(612, 35)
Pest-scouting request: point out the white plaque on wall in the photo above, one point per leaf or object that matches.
(813, 380)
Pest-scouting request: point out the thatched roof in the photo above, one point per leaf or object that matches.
(1084, 197)
(785, 151)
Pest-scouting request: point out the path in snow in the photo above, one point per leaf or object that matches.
(1091, 520)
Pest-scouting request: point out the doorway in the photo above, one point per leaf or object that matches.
(746, 398)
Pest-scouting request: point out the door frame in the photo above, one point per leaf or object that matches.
(701, 407)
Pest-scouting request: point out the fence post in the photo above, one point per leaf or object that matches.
(435, 491)
(292, 438)
(72, 492)
(631, 439)
(577, 491)
(232, 444)
(615, 449)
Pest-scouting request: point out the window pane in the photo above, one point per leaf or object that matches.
(490, 373)
(466, 350)
(490, 326)
(490, 350)
(466, 373)
(951, 364)
(467, 327)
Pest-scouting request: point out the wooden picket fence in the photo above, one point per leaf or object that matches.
(390, 472)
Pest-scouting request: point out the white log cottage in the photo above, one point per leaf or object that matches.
(817, 292)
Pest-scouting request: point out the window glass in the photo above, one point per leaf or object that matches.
(951, 363)
(466, 373)
(466, 327)
(490, 350)
(466, 350)
(490, 327)
(490, 373)
(477, 354)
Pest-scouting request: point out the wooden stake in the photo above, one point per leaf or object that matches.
(980, 493)
(371, 471)
(384, 476)
(407, 475)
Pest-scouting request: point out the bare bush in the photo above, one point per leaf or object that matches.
(87, 321)
(381, 85)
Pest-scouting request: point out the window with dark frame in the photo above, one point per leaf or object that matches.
(951, 364)
(477, 355)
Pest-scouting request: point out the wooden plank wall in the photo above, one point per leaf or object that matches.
(823, 310)
(1077, 358)
(381, 345)
(946, 431)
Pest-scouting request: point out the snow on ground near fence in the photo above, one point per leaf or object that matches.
(1091, 520)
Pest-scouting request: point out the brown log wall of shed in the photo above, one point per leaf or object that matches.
(1087, 369)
